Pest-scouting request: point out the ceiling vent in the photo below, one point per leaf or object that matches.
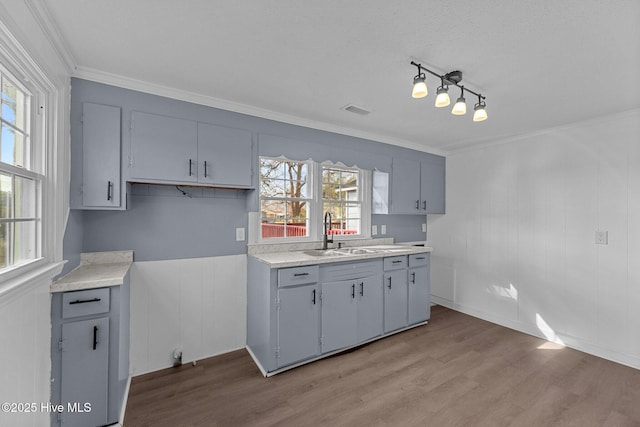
(355, 109)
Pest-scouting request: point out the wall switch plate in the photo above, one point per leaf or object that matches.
(424, 228)
(240, 234)
(383, 229)
(602, 237)
(374, 230)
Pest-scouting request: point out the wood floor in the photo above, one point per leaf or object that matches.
(455, 371)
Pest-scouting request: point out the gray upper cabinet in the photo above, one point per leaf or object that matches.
(163, 148)
(101, 132)
(224, 156)
(418, 187)
(173, 150)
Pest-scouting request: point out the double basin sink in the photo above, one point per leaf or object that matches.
(359, 250)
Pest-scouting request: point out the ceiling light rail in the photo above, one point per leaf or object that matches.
(452, 78)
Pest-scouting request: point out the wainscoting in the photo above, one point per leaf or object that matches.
(197, 305)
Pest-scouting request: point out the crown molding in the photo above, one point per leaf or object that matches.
(50, 28)
(236, 107)
(472, 145)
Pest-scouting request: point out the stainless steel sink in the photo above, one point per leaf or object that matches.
(323, 253)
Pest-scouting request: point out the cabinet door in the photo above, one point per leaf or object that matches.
(339, 315)
(405, 187)
(432, 187)
(163, 148)
(298, 324)
(85, 367)
(395, 300)
(370, 307)
(100, 156)
(224, 156)
(419, 300)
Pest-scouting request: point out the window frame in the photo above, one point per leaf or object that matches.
(38, 157)
(315, 204)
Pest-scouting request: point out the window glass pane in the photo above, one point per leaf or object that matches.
(24, 241)
(271, 169)
(25, 198)
(12, 146)
(4, 246)
(6, 197)
(297, 210)
(296, 189)
(330, 192)
(272, 188)
(298, 227)
(13, 104)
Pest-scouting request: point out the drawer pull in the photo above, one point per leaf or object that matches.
(396, 261)
(84, 301)
(300, 274)
(420, 257)
(95, 337)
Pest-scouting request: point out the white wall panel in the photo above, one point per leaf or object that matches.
(197, 305)
(524, 214)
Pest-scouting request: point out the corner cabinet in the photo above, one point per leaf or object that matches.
(101, 158)
(299, 314)
(177, 151)
(418, 187)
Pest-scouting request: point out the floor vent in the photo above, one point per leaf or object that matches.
(355, 109)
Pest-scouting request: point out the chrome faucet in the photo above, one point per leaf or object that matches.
(325, 236)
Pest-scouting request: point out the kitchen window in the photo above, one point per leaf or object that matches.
(20, 183)
(294, 196)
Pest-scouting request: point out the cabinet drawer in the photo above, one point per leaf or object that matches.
(297, 275)
(418, 260)
(395, 262)
(85, 303)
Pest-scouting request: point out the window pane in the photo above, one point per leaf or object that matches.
(270, 169)
(296, 189)
(25, 198)
(12, 146)
(272, 210)
(298, 227)
(13, 104)
(297, 210)
(6, 197)
(24, 241)
(271, 188)
(4, 247)
(330, 192)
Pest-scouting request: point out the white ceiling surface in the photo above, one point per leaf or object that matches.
(540, 63)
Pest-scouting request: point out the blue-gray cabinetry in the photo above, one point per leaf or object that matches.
(174, 150)
(299, 314)
(89, 360)
(351, 295)
(418, 187)
(101, 159)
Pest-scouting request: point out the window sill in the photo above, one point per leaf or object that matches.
(21, 278)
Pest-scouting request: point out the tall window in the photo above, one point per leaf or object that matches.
(285, 198)
(342, 196)
(19, 183)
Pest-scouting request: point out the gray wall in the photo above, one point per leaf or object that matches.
(161, 223)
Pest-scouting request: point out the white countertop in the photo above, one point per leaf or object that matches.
(96, 270)
(300, 258)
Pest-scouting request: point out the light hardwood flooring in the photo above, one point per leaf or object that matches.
(455, 371)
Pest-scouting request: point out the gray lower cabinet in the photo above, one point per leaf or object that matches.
(89, 355)
(297, 314)
(419, 306)
(298, 334)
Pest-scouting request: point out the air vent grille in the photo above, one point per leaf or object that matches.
(355, 109)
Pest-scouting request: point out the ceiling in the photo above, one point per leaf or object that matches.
(540, 63)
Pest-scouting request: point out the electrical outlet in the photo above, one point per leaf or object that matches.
(240, 234)
(602, 237)
(374, 230)
(383, 229)
(424, 228)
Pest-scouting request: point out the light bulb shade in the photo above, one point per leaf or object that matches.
(479, 112)
(419, 87)
(460, 107)
(442, 100)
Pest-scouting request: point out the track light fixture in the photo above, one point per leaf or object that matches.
(442, 98)
(452, 78)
